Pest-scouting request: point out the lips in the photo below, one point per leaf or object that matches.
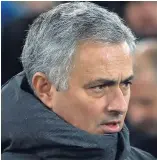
(111, 127)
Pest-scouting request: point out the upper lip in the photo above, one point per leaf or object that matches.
(111, 122)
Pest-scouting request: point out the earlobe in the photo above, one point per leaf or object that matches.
(43, 89)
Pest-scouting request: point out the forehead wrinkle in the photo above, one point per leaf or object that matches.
(101, 60)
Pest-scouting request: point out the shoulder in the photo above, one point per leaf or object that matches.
(139, 154)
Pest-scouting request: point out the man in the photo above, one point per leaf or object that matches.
(142, 114)
(77, 62)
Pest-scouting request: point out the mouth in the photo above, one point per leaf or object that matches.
(111, 127)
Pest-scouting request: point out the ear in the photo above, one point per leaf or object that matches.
(44, 89)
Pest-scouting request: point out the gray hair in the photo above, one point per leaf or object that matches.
(51, 41)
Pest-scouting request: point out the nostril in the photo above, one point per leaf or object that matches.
(117, 113)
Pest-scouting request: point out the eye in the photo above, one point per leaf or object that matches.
(98, 89)
(126, 85)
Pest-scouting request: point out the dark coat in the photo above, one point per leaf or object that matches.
(31, 131)
(142, 140)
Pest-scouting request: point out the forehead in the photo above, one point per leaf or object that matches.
(103, 60)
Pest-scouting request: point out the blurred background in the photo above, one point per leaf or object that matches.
(141, 17)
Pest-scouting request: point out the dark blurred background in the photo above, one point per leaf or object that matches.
(141, 17)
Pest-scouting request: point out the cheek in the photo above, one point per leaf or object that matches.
(129, 94)
(127, 99)
(93, 107)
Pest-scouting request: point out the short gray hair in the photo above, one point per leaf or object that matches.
(51, 41)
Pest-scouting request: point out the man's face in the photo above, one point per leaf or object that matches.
(99, 88)
(143, 105)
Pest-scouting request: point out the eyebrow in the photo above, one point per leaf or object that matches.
(106, 82)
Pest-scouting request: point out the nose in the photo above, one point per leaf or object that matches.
(117, 103)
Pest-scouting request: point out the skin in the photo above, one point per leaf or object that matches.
(143, 102)
(99, 87)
